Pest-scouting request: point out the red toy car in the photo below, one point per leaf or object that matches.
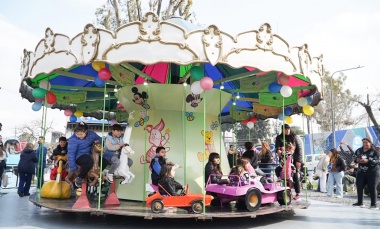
(193, 203)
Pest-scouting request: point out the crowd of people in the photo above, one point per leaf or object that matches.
(333, 172)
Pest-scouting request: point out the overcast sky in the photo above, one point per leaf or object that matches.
(346, 32)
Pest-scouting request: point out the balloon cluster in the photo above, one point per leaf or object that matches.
(104, 73)
(202, 82)
(43, 96)
(250, 122)
(305, 102)
(73, 116)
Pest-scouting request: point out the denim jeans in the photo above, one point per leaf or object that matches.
(335, 178)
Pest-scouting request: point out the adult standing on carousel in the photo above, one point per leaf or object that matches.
(368, 172)
(291, 137)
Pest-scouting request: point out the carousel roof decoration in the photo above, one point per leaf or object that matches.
(257, 67)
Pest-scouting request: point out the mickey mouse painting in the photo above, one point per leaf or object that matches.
(140, 98)
(194, 99)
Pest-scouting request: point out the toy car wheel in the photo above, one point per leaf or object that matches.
(253, 199)
(157, 206)
(197, 207)
(284, 197)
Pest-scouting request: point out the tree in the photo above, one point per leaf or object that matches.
(368, 108)
(33, 129)
(262, 131)
(343, 105)
(115, 13)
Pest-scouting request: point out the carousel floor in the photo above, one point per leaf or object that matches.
(139, 209)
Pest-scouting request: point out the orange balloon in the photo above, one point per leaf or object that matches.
(283, 79)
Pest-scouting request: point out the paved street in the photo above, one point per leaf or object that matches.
(20, 213)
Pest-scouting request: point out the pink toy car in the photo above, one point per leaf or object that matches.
(250, 196)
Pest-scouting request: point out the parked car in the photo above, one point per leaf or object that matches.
(193, 203)
(312, 162)
(250, 196)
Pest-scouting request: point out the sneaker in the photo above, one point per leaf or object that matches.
(358, 205)
(78, 182)
(374, 207)
(110, 177)
(20, 194)
(297, 197)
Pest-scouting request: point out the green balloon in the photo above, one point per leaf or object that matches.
(39, 93)
(196, 72)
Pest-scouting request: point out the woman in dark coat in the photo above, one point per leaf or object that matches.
(26, 169)
(368, 172)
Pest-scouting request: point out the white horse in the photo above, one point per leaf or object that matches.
(123, 169)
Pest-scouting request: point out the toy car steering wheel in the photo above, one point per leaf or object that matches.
(184, 191)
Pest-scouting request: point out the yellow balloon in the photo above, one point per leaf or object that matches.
(308, 110)
(98, 65)
(288, 119)
(78, 113)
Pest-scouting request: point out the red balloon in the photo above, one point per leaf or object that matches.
(245, 121)
(253, 119)
(51, 98)
(104, 74)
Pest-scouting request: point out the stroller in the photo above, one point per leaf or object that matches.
(304, 178)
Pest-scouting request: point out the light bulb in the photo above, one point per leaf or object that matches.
(222, 86)
(237, 96)
(185, 84)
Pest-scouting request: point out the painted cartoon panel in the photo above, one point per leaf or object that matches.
(188, 134)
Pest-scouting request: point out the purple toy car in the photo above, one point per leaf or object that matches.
(251, 195)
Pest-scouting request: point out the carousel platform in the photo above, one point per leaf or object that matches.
(139, 209)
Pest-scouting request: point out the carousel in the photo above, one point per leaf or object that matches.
(175, 84)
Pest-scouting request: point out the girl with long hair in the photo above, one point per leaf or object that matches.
(338, 165)
(167, 181)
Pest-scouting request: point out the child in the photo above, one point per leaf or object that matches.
(112, 149)
(167, 181)
(243, 176)
(245, 162)
(26, 169)
(156, 164)
(59, 153)
(287, 166)
(79, 150)
(253, 177)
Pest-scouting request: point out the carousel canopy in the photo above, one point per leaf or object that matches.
(258, 68)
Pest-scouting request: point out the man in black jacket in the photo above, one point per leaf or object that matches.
(291, 137)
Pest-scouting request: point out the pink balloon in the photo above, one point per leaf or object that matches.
(39, 100)
(104, 74)
(68, 112)
(113, 122)
(206, 83)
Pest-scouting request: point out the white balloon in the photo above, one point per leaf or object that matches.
(302, 101)
(48, 105)
(286, 91)
(45, 85)
(196, 88)
(250, 125)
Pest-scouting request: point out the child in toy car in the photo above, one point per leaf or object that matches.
(167, 181)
